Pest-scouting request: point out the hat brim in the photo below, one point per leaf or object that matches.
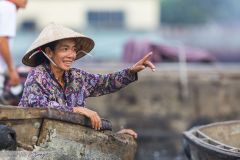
(83, 43)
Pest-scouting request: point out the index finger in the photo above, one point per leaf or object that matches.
(146, 57)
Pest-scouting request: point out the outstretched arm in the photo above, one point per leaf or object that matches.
(97, 84)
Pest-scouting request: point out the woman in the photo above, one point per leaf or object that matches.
(53, 83)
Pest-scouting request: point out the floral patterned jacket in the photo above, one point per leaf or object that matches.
(42, 89)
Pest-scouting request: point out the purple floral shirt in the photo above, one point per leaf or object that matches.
(42, 89)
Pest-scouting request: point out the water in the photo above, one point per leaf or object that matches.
(162, 147)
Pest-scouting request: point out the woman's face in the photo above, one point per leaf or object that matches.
(64, 53)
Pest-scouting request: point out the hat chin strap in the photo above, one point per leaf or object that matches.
(44, 55)
(84, 52)
(49, 59)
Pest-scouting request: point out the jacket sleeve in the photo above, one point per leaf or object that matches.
(97, 84)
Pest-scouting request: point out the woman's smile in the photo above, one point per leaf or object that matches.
(68, 63)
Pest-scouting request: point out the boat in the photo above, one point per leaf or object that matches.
(215, 141)
(47, 133)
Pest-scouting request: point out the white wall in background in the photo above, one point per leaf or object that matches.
(138, 14)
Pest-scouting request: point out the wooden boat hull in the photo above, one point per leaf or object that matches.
(217, 141)
(65, 134)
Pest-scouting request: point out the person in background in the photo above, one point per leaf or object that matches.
(8, 11)
(54, 84)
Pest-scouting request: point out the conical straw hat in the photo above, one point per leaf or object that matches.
(51, 33)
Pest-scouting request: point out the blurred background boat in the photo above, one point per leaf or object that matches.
(217, 141)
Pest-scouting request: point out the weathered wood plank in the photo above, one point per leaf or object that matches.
(84, 142)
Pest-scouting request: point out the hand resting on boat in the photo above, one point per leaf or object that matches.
(92, 115)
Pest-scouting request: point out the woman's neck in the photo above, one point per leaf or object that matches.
(58, 73)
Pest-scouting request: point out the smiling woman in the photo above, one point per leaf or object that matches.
(54, 84)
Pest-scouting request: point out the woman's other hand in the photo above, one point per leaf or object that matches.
(143, 63)
(128, 131)
(94, 117)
